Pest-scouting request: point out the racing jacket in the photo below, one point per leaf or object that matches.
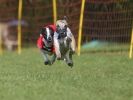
(40, 43)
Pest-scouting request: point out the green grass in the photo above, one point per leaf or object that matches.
(95, 76)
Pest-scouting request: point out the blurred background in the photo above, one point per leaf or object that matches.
(107, 24)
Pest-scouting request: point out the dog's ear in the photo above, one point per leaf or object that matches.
(42, 31)
(65, 18)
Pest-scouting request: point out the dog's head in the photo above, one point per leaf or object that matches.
(47, 33)
(61, 28)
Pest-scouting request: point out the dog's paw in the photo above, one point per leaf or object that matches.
(46, 62)
(58, 58)
(70, 64)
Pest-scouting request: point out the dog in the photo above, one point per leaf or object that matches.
(8, 40)
(46, 45)
(64, 42)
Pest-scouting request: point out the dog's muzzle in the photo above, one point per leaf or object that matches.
(49, 39)
(62, 33)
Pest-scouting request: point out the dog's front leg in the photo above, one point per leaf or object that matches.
(57, 48)
(68, 59)
(45, 56)
(53, 58)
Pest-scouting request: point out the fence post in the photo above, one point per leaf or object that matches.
(1, 49)
(80, 26)
(19, 25)
(131, 45)
(54, 10)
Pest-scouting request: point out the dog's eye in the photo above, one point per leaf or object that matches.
(65, 27)
(52, 32)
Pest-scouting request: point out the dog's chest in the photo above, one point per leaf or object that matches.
(48, 47)
(64, 46)
(64, 43)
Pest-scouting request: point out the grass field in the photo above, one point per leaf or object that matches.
(95, 76)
